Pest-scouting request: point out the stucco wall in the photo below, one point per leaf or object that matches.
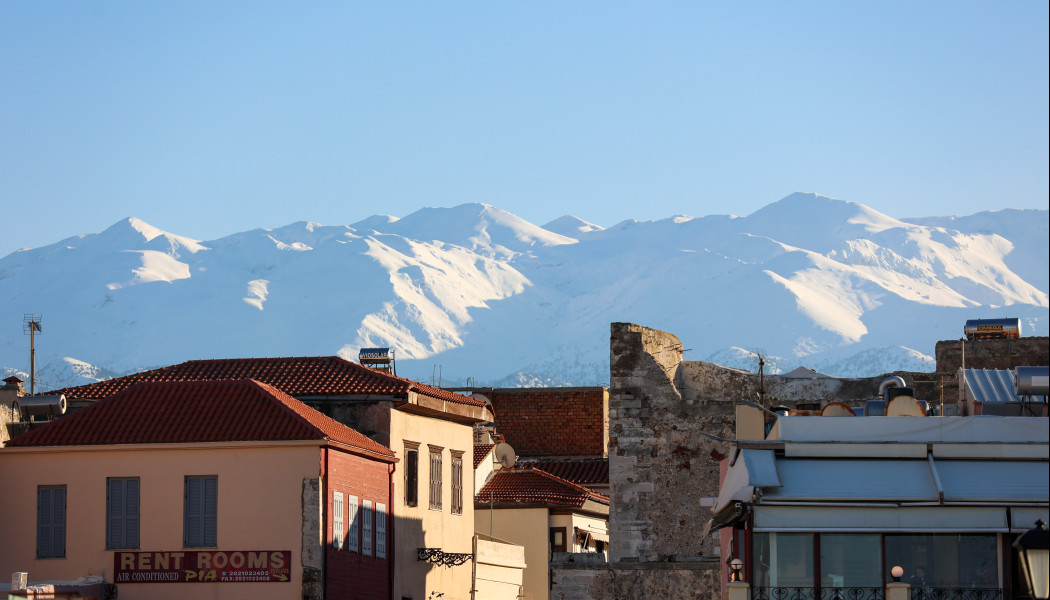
(527, 527)
(259, 508)
(419, 526)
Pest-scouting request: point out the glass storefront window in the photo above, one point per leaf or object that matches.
(783, 559)
(850, 560)
(945, 560)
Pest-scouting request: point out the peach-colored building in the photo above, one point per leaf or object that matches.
(205, 489)
(429, 429)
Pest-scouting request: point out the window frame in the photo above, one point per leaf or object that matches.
(208, 519)
(564, 545)
(366, 528)
(353, 535)
(457, 482)
(411, 473)
(51, 521)
(128, 540)
(338, 536)
(380, 545)
(436, 468)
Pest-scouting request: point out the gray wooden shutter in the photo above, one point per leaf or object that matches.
(51, 521)
(122, 512)
(201, 513)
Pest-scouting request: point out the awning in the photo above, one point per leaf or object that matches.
(752, 468)
(852, 480)
(602, 536)
(928, 519)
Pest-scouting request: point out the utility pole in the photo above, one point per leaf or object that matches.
(31, 327)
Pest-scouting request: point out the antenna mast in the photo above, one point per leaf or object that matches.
(31, 327)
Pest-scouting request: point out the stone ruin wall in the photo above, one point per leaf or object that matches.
(993, 354)
(664, 470)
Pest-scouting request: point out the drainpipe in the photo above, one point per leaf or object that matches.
(324, 526)
(391, 520)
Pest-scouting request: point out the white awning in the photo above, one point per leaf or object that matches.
(932, 519)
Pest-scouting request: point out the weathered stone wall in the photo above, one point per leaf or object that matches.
(697, 580)
(993, 354)
(663, 470)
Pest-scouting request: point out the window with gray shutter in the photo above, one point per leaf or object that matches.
(435, 478)
(51, 521)
(354, 535)
(457, 483)
(200, 518)
(122, 512)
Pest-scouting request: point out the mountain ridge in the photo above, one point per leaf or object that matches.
(475, 291)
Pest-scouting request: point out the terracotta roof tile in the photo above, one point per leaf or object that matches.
(480, 452)
(295, 376)
(584, 471)
(533, 486)
(196, 411)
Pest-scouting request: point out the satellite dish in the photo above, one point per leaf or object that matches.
(505, 455)
(905, 406)
(837, 409)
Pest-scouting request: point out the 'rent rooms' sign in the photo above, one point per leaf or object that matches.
(202, 566)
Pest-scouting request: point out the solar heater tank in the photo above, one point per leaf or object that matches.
(1032, 381)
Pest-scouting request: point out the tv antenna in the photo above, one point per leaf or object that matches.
(31, 327)
(759, 355)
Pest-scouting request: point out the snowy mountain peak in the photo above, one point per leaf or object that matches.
(570, 226)
(482, 293)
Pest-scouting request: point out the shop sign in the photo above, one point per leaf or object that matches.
(202, 566)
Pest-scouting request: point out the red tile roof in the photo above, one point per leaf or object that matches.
(584, 471)
(480, 452)
(533, 486)
(197, 411)
(295, 376)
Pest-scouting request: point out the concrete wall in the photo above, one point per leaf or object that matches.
(260, 487)
(499, 572)
(419, 526)
(993, 354)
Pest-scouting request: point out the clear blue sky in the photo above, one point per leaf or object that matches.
(209, 118)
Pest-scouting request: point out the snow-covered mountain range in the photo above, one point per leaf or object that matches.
(476, 292)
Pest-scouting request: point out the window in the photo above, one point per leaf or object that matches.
(51, 521)
(200, 506)
(457, 483)
(557, 539)
(366, 527)
(435, 478)
(337, 520)
(354, 536)
(122, 512)
(411, 474)
(380, 530)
